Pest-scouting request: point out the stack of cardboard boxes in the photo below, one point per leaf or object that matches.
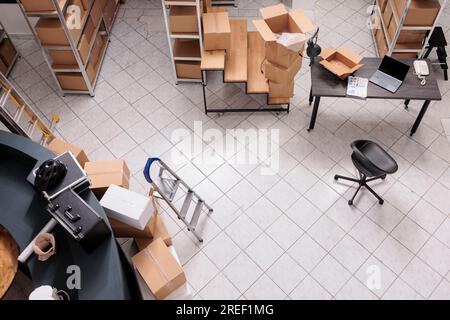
(133, 215)
(87, 21)
(420, 13)
(283, 62)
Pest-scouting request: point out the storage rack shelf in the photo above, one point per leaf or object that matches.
(74, 54)
(400, 29)
(183, 26)
(8, 52)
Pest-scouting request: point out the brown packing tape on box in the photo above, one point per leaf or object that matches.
(159, 269)
(105, 173)
(59, 146)
(342, 62)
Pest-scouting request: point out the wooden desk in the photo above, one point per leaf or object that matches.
(326, 84)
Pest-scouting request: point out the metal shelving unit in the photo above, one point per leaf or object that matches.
(9, 64)
(378, 24)
(179, 49)
(80, 68)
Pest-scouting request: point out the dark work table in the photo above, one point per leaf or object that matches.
(105, 273)
(326, 84)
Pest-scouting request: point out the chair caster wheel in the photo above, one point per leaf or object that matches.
(350, 202)
(383, 177)
(336, 177)
(381, 202)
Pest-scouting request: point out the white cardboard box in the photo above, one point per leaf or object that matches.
(127, 206)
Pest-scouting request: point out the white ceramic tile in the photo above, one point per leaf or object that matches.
(343, 215)
(286, 273)
(307, 252)
(264, 251)
(355, 290)
(310, 289)
(243, 231)
(393, 254)
(242, 272)
(326, 232)
(439, 196)
(350, 253)
(331, 274)
(263, 212)
(443, 232)
(410, 234)
(367, 233)
(322, 196)
(386, 216)
(264, 289)
(221, 250)
(284, 231)
(301, 178)
(199, 271)
(282, 195)
(304, 213)
(442, 292)
(220, 288)
(421, 277)
(375, 276)
(436, 255)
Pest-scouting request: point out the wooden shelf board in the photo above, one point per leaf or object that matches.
(213, 60)
(256, 81)
(236, 57)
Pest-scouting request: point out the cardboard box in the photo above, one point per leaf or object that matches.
(122, 230)
(188, 69)
(343, 62)
(59, 147)
(282, 75)
(405, 55)
(50, 32)
(127, 206)
(158, 229)
(184, 292)
(96, 12)
(105, 173)
(381, 43)
(159, 269)
(61, 57)
(71, 81)
(216, 31)
(277, 20)
(7, 51)
(40, 6)
(387, 15)
(108, 13)
(281, 90)
(420, 12)
(412, 36)
(183, 19)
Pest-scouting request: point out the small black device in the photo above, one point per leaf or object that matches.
(391, 74)
(49, 174)
(78, 219)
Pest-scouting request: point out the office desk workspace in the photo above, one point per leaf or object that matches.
(327, 84)
(224, 150)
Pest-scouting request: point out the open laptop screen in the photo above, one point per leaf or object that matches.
(394, 68)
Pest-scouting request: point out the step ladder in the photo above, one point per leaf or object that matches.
(20, 118)
(174, 190)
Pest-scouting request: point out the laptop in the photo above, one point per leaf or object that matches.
(390, 74)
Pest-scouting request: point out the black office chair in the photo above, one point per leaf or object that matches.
(372, 162)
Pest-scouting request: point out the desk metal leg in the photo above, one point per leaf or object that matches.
(314, 113)
(407, 103)
(204, 92)
(420, 117)
(311, 98)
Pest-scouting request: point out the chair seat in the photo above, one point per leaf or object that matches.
(381, 162)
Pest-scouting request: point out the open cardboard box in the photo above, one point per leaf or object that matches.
(277, 20)
(343, 62)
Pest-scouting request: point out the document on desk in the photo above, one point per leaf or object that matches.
(357, 87)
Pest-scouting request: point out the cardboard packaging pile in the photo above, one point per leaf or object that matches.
(59, 147)
(343, 62)
(285, 34)
(105, 173)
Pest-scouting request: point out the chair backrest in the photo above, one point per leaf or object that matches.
(363, 160)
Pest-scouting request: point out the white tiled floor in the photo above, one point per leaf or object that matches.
(290, 235)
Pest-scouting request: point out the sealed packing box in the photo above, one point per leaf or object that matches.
(183, 292)
(216, 31)
(71, 81)
(59, 147)
(282, 75)
(183, 19)
(276, 21)
(123, 230)
(160, 270)
(420, 12)
(105, 173)
(281, 90)
(188, 69)
(343, 62)
(127, 206)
